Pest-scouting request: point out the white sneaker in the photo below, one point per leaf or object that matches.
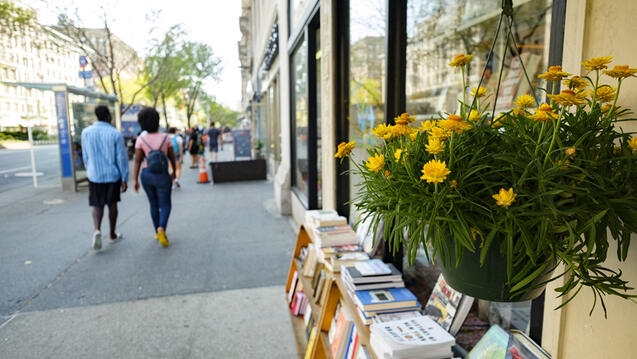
(97, 240)
(118, 237)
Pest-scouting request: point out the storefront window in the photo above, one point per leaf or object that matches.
(299, 83)
(319, 180)
(367, 55)
(439, 30)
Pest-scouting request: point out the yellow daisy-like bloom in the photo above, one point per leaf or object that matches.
(617, 149)
(499, 121)
(569, 98)
(480, 92)
(474, 116)
(525, 101)
(402, 129)
(439, 132)
(621, 71)
(413, 136)
(576, 82)
(597, 63)
(544, 113)
(398, 153)
(434, 145)
(381, 131)
(344, 149)
(570, 151)
(460, 60)
(518, 111)
(454, 123)
(388, 174)
(375, 163)
(604, 94)
(554, 73)
(434, 171)
(504, 198)
(405, 117)
(606, 107)
(632, 144)
(427, 126)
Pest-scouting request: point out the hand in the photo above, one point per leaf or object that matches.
(173, 175)
(124, 187)
(136, 187)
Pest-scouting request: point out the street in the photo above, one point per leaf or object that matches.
(228, 257)
(15, 167)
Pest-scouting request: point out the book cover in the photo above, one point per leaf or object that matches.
(372, 267)
(378, 299)
(492, 345)
(392, 316)
(447, 306)
(522, 347)
(310, 344)
(337, 334)
(350, 353)
(411, 336)
(368, 286)
(355, 276)
(295, 280)
(363, 353)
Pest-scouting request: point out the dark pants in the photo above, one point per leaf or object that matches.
(158, 188)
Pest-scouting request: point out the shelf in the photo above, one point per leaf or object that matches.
(307, 283)
(326, 344)
(300, 337)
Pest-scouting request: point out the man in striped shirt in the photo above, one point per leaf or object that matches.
(106, 162)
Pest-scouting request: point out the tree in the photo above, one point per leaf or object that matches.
(15, 18)
(199, 65)
(218, 112)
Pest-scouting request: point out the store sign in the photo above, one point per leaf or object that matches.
(241, 140)
(63, 133)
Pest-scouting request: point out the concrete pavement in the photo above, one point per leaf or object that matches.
(217, 291)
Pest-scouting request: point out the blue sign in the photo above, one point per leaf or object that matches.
(85, 74)
(63, 133)
(83, 61)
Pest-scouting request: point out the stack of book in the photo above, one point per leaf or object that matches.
(337, 256)
(377, 289)
(328, 229)
(297, 299)
(417, 338)
(342, 335)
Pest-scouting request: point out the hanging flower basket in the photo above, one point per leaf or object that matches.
(501, 200)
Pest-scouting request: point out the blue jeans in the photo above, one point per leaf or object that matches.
(158, 188)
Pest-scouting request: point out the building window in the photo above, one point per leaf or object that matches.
(300, 116)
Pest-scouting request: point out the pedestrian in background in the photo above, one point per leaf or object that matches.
(106, 161)
(177, 142)
(193, 147)
(155, 150)
(213, 140)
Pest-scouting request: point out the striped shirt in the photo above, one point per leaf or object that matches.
(104, 153)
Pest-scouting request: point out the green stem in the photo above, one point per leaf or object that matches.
(595, 90)
(451, 150)
(464, 95)
(612, 109)
(557, 126)
(539, 138)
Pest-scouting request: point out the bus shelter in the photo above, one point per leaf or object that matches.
(74, 110)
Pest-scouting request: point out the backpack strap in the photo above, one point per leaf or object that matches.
(149, 146)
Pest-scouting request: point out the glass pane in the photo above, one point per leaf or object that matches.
(319, 179)
(299, 61)
(366, 75)
(439, 30)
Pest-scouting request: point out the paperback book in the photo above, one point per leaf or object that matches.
(447, 306)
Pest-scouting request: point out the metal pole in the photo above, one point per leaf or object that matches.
(33, 171)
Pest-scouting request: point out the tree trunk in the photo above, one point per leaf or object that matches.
(163, 103)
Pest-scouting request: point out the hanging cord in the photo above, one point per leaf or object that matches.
(497, 90)
(526, 75)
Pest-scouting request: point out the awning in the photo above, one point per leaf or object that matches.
(71, 89)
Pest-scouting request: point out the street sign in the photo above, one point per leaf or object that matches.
(85, 74)
(83, 61)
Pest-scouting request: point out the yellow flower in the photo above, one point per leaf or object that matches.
(434, 145)
(381, 131)
(617, 149)
(454, 123)
(481, 92)
(569, 98)
(504, 198)
(376, 163)
(427, 126)
(621, 71)
(576, 82)
(454, 183)
(460, 60)
(499, 121)
(439, 132)
(606, 107)
(344, 149)
(632, 144)
(413, 136)
(519, 111)
(554, 73)
(525, 101)
(604, 94)
(401, 129)
(474, 116)
(405, 118)
(434, 171)
(544, 113)
(398, 153)
(388, 174)
(570, 151)
(597, 63)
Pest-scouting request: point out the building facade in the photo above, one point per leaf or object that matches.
(344, 66)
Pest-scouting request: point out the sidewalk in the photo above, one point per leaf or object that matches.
(217, 291)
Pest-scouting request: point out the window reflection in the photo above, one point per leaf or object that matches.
(301, 121)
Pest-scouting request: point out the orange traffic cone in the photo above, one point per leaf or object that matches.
(203, 172)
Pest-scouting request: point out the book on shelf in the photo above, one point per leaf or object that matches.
(353, 273)
(336, 262)
(417, 337)
(310, 343)
(366, 235)
(381, 299)
(299, 303)
(293, 285)
(363, 353)
(520, 346)
(447, 306)
(366, 286)
(341, 333)
(493, 344)
(323, 218)
(311, 261)
(352, 344)
(307, 313)
(370, 317)
(392, 316)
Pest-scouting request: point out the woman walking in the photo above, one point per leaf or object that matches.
(193, 147)
(155, 150)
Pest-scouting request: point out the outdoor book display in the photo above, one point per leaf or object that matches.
(361, 309)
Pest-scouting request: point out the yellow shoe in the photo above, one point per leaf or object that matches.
(161, 237)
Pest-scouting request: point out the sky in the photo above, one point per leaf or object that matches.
(214, 22)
